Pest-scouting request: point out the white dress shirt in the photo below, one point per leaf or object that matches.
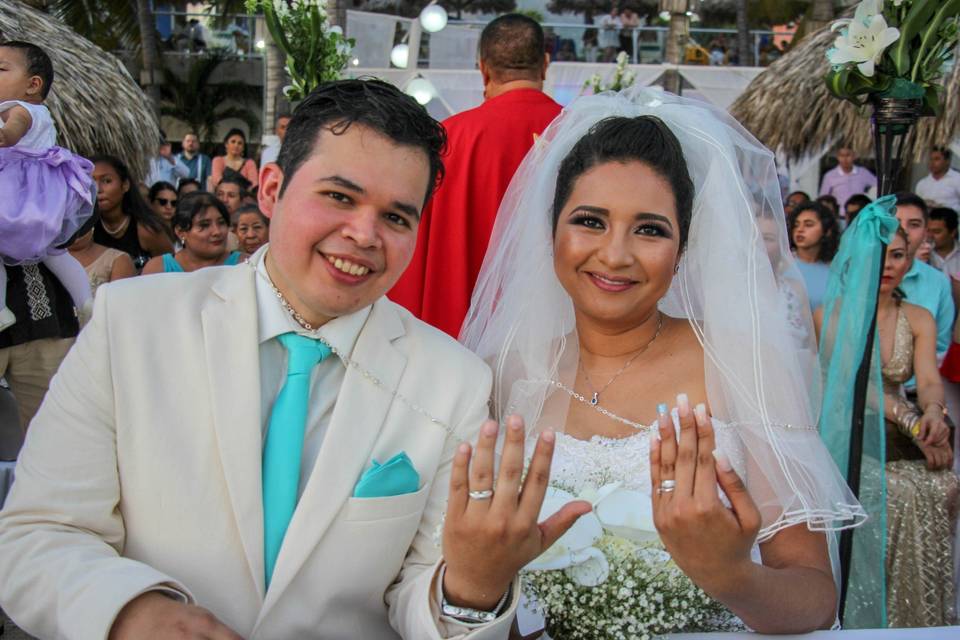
(327, 377)
(945, 192)
(950, 264)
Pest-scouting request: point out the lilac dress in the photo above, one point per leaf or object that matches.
(48, 192)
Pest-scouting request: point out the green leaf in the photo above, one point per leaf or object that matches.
(947, 10)
(916, 19)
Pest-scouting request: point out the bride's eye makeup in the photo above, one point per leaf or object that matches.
(653, 229)
(588, 220)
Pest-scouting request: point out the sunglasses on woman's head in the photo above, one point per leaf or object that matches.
(164, 202)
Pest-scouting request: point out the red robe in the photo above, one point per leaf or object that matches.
(486, 145)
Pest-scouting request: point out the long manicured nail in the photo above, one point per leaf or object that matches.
(700, 411)
(723, 462)
(654, 435)
(662, 409)
(683, 405)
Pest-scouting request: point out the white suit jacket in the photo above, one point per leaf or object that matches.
(142, 468)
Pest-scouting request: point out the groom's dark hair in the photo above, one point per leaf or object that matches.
(645, 139)
(335, 106)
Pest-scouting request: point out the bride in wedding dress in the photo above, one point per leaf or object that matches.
(627, 302)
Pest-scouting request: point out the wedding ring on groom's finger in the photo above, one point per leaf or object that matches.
(667, 486)
(481, 495)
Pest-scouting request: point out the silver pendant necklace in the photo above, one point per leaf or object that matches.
(595, 399)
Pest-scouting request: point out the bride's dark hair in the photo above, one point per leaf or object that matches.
(643, 139)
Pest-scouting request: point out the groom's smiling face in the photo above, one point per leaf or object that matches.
(345, 227)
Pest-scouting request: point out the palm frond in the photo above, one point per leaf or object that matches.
(96, 105)
(788, 107)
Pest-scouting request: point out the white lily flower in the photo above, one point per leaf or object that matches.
(628, 514)
(624, 513)
(864, 14)
(336, 29)
(863, 44)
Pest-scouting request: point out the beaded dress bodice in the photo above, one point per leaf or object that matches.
(579, 464)
(899, 368)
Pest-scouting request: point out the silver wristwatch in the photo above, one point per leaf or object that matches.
(468, 615)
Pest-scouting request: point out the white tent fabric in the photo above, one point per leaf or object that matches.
(462, 89)
(565, 79)
(454, 48)
(719, 85)
(374, 34)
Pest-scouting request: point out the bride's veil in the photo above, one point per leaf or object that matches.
(762, 373)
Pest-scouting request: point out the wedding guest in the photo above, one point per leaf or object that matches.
(198, 164)
(163, 200)
(126, 221)
(485, 146)
(789, 280)
(234, 161)
(629, 20)
(854, 204)
(253, 228)
(609, 26)
(815, 237)
(165, 167)
(187, 185)
(923, 493)
(102, 264)
(830, 203)
(847, 178)
(942, 232)
(594, 306)
(241, 472)
(924, 285)
(32, 349)
(270, 152)
(201, 224)
(231, 191)
(941, 188)
(794, 199)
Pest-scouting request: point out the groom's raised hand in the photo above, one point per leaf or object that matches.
(487, 540)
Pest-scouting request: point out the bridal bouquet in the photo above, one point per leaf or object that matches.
(896, 49)
(610, 577)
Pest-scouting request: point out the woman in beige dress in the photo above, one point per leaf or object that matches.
(102, 264)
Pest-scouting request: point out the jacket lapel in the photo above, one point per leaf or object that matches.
(358, 416)
(233, 365)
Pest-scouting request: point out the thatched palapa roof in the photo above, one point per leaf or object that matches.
(97, 106)
(788, 107)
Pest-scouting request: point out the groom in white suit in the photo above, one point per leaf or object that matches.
(139, 505)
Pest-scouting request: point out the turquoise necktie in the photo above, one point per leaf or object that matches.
(284, 444)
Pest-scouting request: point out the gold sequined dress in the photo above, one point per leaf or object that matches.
(922, 508)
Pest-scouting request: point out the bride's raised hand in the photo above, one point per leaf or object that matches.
(492, 534)
(709, 541)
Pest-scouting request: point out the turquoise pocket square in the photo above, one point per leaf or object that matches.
(394, 477)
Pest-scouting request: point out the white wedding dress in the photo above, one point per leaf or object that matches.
(580, 466)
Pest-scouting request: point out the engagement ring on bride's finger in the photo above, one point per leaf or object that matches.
(481, 495)
(667, 486)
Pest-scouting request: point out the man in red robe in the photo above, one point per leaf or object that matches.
(485, 147)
